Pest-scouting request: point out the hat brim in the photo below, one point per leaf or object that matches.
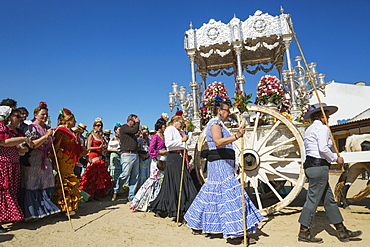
(330, 109)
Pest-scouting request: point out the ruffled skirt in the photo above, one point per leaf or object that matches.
(149, 190)
(10, 183)
(166, 203)
(218, 209)
(96, 180)
(72, 193)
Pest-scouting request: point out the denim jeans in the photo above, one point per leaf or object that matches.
(130, 169)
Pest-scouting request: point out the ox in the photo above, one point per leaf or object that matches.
(354, 143)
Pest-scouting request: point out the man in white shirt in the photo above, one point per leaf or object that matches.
(319, 155)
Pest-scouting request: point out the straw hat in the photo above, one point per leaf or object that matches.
(82, 126)
(107, 132)
(316, 108)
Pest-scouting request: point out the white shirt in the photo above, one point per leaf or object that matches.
(317, 142)
(173, 139)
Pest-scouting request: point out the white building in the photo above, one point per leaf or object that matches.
(353, 101)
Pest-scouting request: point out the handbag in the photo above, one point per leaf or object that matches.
(161, 165)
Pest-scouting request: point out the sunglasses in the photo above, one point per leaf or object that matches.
(17, 116)
(98, 125)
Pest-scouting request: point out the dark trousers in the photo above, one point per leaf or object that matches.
(319, 191)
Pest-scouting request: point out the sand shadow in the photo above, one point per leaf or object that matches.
(6, 237)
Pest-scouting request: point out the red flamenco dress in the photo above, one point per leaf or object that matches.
(96, 180)
(68, 150)
(10, 179)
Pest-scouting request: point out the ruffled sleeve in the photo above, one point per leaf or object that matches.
(4, 132)
(153, 148)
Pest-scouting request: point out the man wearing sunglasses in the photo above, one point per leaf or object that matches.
(129, 156)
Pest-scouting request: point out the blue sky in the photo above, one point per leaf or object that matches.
(111, 58)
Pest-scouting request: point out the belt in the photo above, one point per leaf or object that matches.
(177, 151)
(315, 162)
(96, 159)
(129, 152)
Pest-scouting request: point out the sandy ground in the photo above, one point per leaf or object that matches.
(106, 223)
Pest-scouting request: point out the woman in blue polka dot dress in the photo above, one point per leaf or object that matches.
(217, 209)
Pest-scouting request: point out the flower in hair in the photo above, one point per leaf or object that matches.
(117, 124)
(219, 99)
(43, 105)
(4, 112)
(98, 119)
(65, 111)
(179, 113)
(165, 116)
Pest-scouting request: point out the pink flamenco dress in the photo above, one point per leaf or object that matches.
(96, 180)
(10, 179)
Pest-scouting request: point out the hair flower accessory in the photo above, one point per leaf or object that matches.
(98, 119)
(117, 124)
(219, 99)
(43, 105)
(179, 113)
(165, 116)
(4, 112)
(65, 111)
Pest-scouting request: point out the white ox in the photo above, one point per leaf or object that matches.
(354, 143)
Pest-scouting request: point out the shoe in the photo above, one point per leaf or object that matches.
(344, 234)
(196, 232)
(114, 197)
(306, 236)
(130, 198)
(2, 230)
(71, 213)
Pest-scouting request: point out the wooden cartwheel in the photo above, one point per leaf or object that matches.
(274, 174)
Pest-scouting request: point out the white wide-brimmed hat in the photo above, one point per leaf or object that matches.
(316, 108)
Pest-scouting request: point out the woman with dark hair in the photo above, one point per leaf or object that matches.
(150, 189)
(96, 180)
(166, 203)
(12, 144)
(217, 209)
(115, 167)
(38, 183)
(68, 150)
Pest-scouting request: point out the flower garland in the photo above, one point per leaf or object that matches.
(215, 91)
(269, 89)
(304, 109)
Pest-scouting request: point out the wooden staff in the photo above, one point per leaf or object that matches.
(315, 89)
(242, 123)
(181, 179)
(61, 183)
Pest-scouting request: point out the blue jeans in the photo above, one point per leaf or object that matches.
(130, 169)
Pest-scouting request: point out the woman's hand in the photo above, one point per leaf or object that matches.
(185, 138)
(49, 132)
(163, 152)
(240, 133)
(29, 143)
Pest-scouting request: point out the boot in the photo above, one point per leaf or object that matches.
(344, 234)
(344, 201)
(306, 236)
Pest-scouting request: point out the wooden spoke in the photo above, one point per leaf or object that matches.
(272, 148)
(266, 137)
(273, 171)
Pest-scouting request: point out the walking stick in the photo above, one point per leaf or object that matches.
(242, 123)
(182, 178)
(315, 90)
(61, 184)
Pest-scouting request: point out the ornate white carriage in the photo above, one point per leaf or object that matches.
(273, 170)
(272, 152)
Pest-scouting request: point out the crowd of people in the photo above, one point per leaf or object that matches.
(45, 171)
